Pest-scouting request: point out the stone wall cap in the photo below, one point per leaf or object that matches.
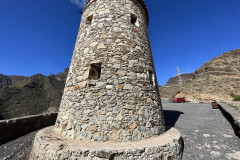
(172, 135)
(13, 120)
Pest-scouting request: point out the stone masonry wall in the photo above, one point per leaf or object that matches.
(124, 103)
(17, 127)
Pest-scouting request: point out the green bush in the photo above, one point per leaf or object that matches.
(236, 97)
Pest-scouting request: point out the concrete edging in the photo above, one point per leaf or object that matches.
(232, 115)
(14, 128)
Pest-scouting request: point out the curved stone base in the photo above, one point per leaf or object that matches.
(167, 146)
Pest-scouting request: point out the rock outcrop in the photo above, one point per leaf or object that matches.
(171, 88)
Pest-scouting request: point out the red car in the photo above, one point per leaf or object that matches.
(179, 100)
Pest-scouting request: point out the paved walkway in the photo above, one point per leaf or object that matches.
(206, 133)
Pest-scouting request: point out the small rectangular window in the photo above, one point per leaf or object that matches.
(133, 19)
(89, 19)
(152, 78)
(95, 71)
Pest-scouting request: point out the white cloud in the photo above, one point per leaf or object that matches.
(79, 3)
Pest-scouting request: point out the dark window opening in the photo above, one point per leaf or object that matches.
(133, 19)
(151, 78)
(95, 71)
(89, 19)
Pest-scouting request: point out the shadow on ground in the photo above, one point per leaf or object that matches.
(171, 117)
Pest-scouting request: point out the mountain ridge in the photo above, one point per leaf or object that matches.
(22, 96)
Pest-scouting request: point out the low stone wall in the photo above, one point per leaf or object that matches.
(168, 146)
(233, 116)
(13, 128)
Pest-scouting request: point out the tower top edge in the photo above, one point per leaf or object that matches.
(141, 2)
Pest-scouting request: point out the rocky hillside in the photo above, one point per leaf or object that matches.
(21, 96)
(171, 88)
(6, 81)
(215, 80)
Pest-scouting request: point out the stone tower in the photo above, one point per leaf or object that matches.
(111, 92)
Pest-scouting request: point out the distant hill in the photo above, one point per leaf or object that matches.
(218, 79)
(21, 96)
(215, 80)
(171, 88)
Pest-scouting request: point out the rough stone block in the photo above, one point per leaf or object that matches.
(128, 86)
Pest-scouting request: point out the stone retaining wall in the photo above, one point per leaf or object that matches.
(168, 146)
(233, 116)
(13, 128)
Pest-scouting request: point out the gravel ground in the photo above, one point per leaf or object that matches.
(18, 149)
(206, 133)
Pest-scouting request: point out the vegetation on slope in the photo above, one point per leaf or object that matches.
(236, 97)
(29, 95)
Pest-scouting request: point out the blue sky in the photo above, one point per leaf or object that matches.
(39, 36)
